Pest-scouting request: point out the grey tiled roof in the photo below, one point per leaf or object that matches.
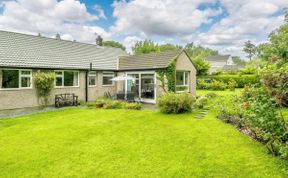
(218, 58)
(20, 50)
(148, 61)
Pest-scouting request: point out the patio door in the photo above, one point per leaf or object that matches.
(143, 86)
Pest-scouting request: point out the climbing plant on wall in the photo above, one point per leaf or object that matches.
(44, 83)
(169, 75)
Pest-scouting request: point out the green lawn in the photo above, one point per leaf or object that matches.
(121, 143)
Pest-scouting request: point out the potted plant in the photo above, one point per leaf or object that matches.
(100, 103)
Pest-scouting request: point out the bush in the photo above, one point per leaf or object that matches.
(44, 83)
(232, 84)
(113, 104)
(201, 102)
(175, 103)
(241, 80)
(135, 106)
(217, 85)
(211, 95)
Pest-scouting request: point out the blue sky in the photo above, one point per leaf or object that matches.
(223, 25)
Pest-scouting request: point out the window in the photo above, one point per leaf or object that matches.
(66, 78)
(92, 78)
(106, 79)
(182, 81)
(12, 78)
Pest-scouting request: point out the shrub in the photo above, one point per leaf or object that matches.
(211, 95)
(227, 109)
(249, 70)
(201, 102)
(276, 80)
(201, 84)
(44, 83)
(217, 85)
(175, 103)
(232, 84)
(113, 104)
(135, 106)
(241, 80)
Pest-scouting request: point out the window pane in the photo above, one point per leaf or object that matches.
(107, 80)
(92, 80)
(70, 78)
(186, 78)
(58, 81)
(179, 78)
(25, 72)
(10, 79)
(25, 82)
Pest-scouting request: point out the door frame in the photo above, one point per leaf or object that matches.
(155, 88)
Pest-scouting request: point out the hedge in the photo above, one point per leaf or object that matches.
(241, 80)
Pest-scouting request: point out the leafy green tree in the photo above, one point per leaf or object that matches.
(277, 47)
(202, 66)
(169, 47)
(114, 44)
(237, 60)
(250, 49)
(145, 47)
(199, 51)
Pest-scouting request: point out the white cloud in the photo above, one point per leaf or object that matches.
(240, 21)
(130, 41)
(70, 18)
(247, 19)
(160, 17)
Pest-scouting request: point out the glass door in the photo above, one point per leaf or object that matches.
(143, 86)
(133, 86)
(147, 87)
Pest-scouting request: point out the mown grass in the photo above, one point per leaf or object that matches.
(121, 143)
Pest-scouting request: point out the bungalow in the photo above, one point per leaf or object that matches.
(222, 62)
(83, 69)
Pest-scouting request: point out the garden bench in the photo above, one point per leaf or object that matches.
(66, 99)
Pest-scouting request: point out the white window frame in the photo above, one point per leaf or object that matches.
(20, 76)
(92, 74)
(108, 74)
(184, 82)
(62, 76)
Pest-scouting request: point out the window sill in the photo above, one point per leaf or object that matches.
(64, 87)
(92, 86)
(108, 85)
(14, 89)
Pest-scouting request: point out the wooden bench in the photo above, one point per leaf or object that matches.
(66, 99)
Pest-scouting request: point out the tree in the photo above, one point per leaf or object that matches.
(57, 36)
(114, 44)
(250, 49)
(145, 47)
(169, 47)
(199, 51)
(99, 40)
(202, 66)
(277, 47)
(237, 60)
(39, 35)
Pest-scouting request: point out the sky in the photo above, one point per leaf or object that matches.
(223, 25)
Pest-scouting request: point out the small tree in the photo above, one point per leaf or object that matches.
(202, 66)
(44, 83)
(114, 44)
(145, 47)
(250, 49)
